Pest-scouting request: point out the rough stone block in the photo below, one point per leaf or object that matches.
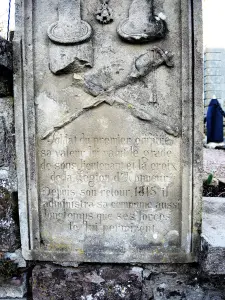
(15, 288)
(213, 236)
(13, 298)
(175, 286)
(6, 54)
(9, 229)
(213, 258)
(111, 283)
(7, 144)
(158, 282)
(6, 63)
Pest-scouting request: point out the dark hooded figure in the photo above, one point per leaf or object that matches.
(214, 121)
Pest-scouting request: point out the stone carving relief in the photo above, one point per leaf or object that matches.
(69, 29)
(104, 13)
(141, 67)
(142, 25)
(71, 58)
(71, 50)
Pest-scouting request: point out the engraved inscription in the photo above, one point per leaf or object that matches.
(109, 185)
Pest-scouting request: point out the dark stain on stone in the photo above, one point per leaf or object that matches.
(59, 274)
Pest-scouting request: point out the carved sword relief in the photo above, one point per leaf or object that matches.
(141, 67)
(142, 25)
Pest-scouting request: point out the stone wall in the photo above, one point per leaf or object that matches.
(9, 230)
(12, 281)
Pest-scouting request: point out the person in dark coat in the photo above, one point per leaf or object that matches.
(214, 120)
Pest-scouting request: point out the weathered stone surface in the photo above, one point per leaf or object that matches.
(5, 84)
(9, 230)
(174, 287)
(214, 295)
(6, 63)
(6, 54)
(104, 167)
(159, 282)
(14, 298)
(16, 257)
(86, 283)
(177, 287)
(9, 227)
(7, 145)
(213, 236)
(14, 288)
(142, 25)
(6, 131)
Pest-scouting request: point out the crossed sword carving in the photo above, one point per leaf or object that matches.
(142, 66)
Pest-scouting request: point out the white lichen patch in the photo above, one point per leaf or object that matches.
(120, 290)
(138, 272)
(162, 16)
(5, 224)
(101, 293)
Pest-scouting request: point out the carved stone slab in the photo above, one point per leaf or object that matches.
(108, 134)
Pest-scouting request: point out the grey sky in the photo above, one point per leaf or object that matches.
(214, 23)
(4, 16)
